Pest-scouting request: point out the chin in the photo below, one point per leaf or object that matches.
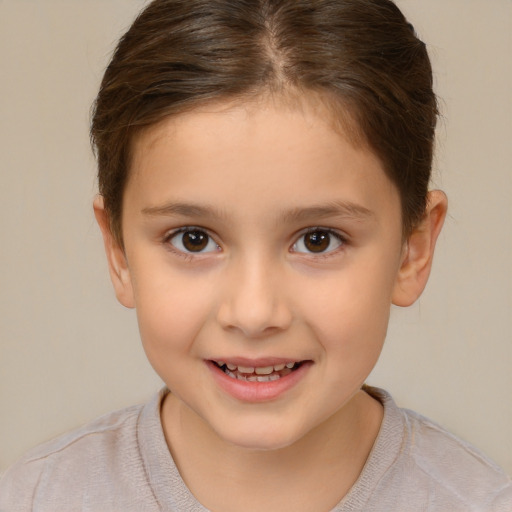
(259, 439)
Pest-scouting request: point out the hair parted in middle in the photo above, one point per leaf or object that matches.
(361, 57)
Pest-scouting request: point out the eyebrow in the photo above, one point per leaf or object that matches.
(183, 210)
(343, 209)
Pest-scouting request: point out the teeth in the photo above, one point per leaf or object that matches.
(266, 370)
(254, 378)
(251, 370)
(267, 378)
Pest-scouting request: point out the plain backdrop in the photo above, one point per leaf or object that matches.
(69, 352)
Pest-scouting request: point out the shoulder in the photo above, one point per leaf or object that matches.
(60, 466)
(438, 451)
(445, 469)
(99, 432)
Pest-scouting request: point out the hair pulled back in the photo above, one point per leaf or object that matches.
(361, 55)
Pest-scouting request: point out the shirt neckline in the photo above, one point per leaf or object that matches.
(171, 492)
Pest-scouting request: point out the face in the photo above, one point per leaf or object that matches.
(262, 252)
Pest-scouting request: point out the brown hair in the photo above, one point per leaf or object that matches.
(359, 54)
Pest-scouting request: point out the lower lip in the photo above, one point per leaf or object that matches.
(246, 391)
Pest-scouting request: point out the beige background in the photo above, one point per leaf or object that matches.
(69, 352)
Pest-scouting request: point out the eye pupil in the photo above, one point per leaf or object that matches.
(195, 241)
(317, 241)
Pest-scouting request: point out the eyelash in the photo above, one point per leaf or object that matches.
(192, 254)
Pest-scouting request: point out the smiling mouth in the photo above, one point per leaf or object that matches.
(258, 374)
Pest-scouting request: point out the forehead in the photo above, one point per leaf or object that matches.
(252, 153)
(324, 106)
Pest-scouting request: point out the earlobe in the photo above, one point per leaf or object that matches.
(419, 252)
(117, 263)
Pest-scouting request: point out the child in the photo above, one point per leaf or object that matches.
(263, 172)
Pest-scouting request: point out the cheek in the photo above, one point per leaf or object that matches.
(350, 311)
(170, 310)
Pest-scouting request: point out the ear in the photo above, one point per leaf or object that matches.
(117, 263)
(419, 252)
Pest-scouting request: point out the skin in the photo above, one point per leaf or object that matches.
(255, 178)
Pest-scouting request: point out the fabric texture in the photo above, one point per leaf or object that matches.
(121, 462)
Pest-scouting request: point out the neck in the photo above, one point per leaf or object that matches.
(313, 474)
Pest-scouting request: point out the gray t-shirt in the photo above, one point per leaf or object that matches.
(121, 462)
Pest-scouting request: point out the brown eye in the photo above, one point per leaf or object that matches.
(193, 240)
(318, 241)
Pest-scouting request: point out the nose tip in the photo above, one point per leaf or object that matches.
(254, 305)
(253, 321)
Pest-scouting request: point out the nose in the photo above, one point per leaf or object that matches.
(254, 299)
